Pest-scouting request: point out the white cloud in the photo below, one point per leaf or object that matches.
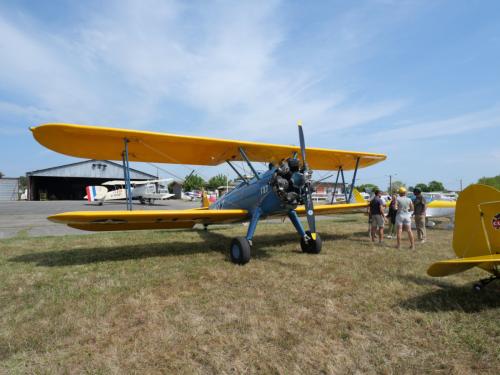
(122, 66)
(463, 123)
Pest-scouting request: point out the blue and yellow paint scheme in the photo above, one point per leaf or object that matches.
(283, 190)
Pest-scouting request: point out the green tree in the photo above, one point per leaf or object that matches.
(193, 182)
(216, 181)
(423, 187)
(491, 181)
(367, 188)
(23, 183)
(395, 186)
(436, 186)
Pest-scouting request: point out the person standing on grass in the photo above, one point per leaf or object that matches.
(420, 206)
(392, 217)
(404, 207)
(377, 216)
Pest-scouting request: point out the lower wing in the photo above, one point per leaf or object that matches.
(452, 266)
(325, 209)
(154, 219)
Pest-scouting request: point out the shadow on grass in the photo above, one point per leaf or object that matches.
(451, 297)
(211, 242)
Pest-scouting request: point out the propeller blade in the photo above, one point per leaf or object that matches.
(311, 220)
(302, 144)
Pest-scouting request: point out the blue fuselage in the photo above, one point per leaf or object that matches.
(254, 194)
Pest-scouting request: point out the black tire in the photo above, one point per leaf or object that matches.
(312, 246)
(240, 250)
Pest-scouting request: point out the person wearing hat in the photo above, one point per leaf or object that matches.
(404, 207)
(420, 206)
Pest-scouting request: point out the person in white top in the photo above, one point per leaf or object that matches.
(404, 207)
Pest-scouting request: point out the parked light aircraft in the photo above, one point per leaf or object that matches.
(283, 190)
(476, 238)
(144, 191)
(440, 208)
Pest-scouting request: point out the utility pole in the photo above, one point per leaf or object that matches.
(460, 184)
(390, 182)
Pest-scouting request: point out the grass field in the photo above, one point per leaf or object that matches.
(171, 302)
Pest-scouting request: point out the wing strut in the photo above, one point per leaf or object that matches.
(335, 186)
(244, 156)
(353, 180)
(237, 172)
(126, 174)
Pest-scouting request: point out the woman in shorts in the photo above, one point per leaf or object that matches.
(404, 207)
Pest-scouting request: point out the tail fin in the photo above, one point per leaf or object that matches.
(357, 197)
(95, 193)
(476, 238)
(204, 200)
(476, 231)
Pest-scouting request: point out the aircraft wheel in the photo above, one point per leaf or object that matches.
(312, 246)
(240, 250)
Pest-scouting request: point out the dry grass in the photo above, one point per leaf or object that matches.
(171, 302)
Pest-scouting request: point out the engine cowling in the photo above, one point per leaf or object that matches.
(289, 182)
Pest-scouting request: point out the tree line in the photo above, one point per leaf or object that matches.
(196, 182)
(431, 186)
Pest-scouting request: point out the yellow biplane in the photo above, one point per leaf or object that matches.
(283, 190)
(476, 237)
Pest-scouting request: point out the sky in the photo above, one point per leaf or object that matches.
(416, 80)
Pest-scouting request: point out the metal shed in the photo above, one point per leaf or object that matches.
(68, 182)
(9, 189)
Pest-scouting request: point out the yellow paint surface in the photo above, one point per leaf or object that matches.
(476, 242)
(108, 143)
(154, 219)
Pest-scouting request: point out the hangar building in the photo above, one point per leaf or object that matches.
(68, 182)
(9, 189)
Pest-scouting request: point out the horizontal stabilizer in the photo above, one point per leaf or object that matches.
(452, 266)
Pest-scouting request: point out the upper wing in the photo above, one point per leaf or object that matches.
(154, 219)
(452, 266)
(108, 144)
(122, 183)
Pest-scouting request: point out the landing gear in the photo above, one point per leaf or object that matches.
(240, 246)
(311, 246)
(483, 282)
(240, 250)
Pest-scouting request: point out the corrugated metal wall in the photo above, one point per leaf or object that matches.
(9, 188)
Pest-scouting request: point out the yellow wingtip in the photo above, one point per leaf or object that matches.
(313, 236)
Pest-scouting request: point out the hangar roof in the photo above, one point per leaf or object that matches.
(91, 169)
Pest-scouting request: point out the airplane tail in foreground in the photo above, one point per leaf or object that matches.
(476, 238)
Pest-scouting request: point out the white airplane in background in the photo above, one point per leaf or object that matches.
(144, 191)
